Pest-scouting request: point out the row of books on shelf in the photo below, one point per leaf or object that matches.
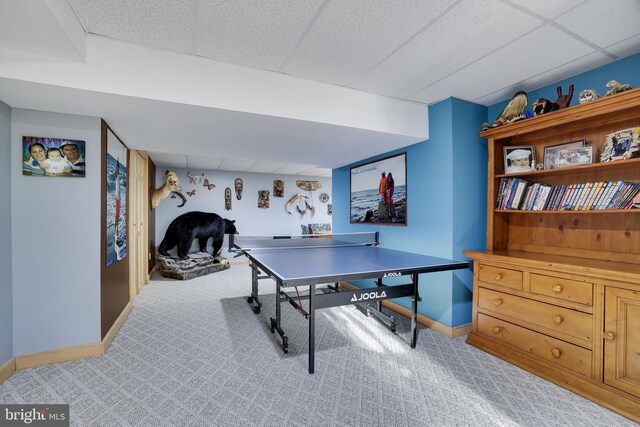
(518, 194)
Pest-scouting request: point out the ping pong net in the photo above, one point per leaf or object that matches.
(241, 244)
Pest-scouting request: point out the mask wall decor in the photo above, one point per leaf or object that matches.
(278, 188)
(227, 199)
(239, 186)
(263, 199)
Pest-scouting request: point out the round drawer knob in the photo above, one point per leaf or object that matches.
(497, 329)
(557, 319)
(557, 289)
(497, 302)
(609, 336)
(556, 352)
(498, 276)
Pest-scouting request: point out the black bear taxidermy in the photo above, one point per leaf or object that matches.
(196, 225)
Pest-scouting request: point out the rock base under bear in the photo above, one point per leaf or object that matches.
(198, 264)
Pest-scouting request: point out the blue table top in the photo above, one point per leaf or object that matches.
(299, 266)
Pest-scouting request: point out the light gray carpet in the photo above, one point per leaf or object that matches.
(193, 353)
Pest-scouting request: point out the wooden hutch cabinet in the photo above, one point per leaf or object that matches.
(557, 292)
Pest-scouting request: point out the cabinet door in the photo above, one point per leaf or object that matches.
(622, 340)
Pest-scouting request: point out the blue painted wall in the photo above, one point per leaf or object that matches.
(6, 297)
(469, 201)
(446, 183)
(625, 70)
(447, 190)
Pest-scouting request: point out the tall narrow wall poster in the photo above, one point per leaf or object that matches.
(116, 199)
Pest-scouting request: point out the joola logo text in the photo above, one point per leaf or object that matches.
(368, 295)
(395, 274)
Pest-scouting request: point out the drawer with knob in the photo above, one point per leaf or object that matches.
(564, 289)
(570, 356)
(570, 322)
(500, 276)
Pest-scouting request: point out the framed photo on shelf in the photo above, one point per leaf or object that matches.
(519, 159)
(551, 152)
(575, 156)
(621, 144)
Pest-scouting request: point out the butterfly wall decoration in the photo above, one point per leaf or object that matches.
(192, 193)
(207, 185)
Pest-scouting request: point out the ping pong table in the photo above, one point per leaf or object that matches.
(310, 260)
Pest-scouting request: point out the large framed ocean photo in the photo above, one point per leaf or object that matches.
(379, 191)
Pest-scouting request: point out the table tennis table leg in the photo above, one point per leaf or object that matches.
(255, 277)
(275, 323)
(335, 287)
(312, 328)
(414, 311)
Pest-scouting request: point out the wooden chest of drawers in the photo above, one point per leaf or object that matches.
(553, 322)
(557, 291)
(570, 356)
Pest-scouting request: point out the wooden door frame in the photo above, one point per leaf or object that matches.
(139, 212)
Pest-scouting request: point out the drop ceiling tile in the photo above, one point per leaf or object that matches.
(527, 57)
(625, 48)
(292, 169)
(473, 29)
(351, 36)
(253, 33)
(548, 8)
(235, 165)
(604, 22)
(161, 24)
(265, 167)
(167, 159)
(203, 162)
(316, 172)
(562, 72)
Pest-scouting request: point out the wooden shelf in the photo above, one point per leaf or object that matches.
(566, 212)
(598, 230)
(575, 170)
(589, 112)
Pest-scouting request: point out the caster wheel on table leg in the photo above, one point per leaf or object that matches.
(249, 300)
(273, 327)
(256, 310)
